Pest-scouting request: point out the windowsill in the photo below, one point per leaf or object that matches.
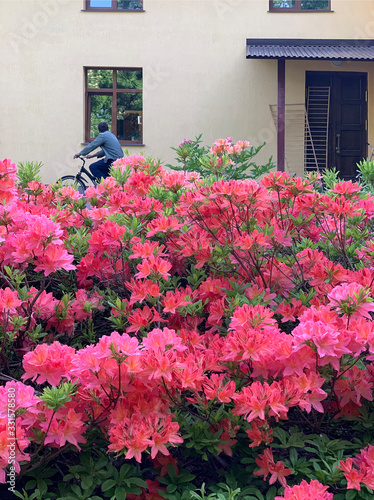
(113, 10)
(132, 144)
(285, 11)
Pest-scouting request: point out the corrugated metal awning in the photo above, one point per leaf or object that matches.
(343, 50)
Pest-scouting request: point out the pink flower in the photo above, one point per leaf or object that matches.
(304, 491)
(155, 267)
(9, 300)
(69, 428)
(48, 363)
(16, 395)
(276, 470)
(53, 258)
(352, 299)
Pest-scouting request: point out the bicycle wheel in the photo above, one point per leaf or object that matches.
(71, 180)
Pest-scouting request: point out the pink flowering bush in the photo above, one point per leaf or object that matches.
(166, 331)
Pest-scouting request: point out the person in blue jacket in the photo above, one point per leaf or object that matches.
(110, 151)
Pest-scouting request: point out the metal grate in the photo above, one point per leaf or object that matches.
(298, 139)
(318, 113)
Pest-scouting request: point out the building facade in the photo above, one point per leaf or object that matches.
(161, 71)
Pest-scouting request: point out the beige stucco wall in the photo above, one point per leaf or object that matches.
(196, 77)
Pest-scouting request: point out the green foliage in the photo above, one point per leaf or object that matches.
(189, 153)
(176, 483)
(41, 480)
(77, 242)
(305, 4)
(330, 177)
(56, 397)
(192, 157)
(117, 483)
(221, 492)
(314, 4)
(95, 477)
(366, 174)
(121, 175)
(29, 171)
(200, 439)
(36, 495)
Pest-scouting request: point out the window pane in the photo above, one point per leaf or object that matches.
(283, 4)
(100, 3)
(129, 127)
(129, 116)
(100, 79)
(128, 79)
(130, 4)
(129, 101)
(101, 111)
(314, 4)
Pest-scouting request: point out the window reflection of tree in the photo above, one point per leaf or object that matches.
(305, 4)
(118, 91)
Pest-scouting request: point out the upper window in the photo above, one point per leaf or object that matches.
(114, 4)
(299, 5)
(115, 96)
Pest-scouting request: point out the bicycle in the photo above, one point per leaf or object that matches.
(79, 180)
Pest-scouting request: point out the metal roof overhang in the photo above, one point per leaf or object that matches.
(318, 49)
(301, 49)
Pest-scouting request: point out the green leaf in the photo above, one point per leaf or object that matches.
(30, 484)
(172, 471)
(311, 450)
(76, 489)
(248, 493)
(280, 434)
(293, 456)
(19, 495)
(365, 492)
(87, 482)
(186, 478)
(42, 485)
(171, 488)
(350, 495)
(124, 471)
(134, 490)
(138, 481)
(101, 463)
(120, 493)
(109, 483)
(270, 495)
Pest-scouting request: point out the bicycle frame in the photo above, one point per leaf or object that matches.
(83, 170)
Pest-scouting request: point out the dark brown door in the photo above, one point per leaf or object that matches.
(347, 141)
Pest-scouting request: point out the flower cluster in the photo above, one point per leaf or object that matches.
(159, 295)
(313, 491)
(360, 469)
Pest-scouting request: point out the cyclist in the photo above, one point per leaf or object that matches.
(110, 151)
